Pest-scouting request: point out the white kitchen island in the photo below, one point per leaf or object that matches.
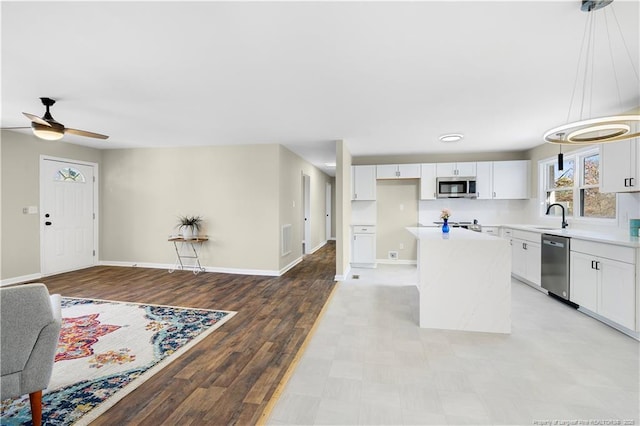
(464, 280)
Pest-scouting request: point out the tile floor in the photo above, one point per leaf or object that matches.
(369, 363)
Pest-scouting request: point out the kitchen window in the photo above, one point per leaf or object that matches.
(577, 186)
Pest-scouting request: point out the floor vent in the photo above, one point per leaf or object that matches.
(356, 277)
(285, 239)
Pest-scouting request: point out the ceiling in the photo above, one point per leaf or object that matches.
(386, 77)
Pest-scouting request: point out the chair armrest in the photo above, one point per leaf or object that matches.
(56, 307)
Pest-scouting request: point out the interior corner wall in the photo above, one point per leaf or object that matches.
(343, 208)
(292, 168)
(21, 188)
(234, 189)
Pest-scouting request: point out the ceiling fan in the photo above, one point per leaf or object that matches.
(46, 127)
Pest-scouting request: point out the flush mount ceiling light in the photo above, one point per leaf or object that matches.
(451, 137)
(586, 131)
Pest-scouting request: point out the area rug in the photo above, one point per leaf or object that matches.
(106, 350)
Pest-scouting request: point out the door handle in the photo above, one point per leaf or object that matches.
(47, 223)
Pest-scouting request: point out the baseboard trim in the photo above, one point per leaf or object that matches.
(21, 279)
(344, 276)
(290, 265)
(318, 247)
(235, 271)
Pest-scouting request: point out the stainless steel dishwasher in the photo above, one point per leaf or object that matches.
(555, 265)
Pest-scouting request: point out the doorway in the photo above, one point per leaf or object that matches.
(68, 225)
(327, 209)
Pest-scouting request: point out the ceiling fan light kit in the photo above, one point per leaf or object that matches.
(601, 129)
(47, 132)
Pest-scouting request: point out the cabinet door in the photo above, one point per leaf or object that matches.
(445, 169)
(409, 171)
(511, 179)
(364, 248)
(518, 258)
(618, 164)
(387, 171)
(364, 183)
(533, 256)
(583, 281)
(428, 182)
(484, 180)
(466, 169)
(616, 295)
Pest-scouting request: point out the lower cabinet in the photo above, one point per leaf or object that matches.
(363, 245)
(604, 286)
(603, 281)
(526, 257)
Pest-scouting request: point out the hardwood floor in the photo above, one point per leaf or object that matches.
(229, 377)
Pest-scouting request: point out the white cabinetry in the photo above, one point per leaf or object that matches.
(526, 256)
(363, 183)
(427, 181)
(398, 171)
(511, 179)
(603, 280)
(619, 166)
(363, 246)
(491, 230)
(503, 180)
(456, 169)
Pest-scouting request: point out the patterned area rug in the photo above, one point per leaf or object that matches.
(106, 350)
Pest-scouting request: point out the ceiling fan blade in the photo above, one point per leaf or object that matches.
(36, 119)
(85, 133)
(13, 128)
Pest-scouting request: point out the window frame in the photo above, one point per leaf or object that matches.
(578, 157)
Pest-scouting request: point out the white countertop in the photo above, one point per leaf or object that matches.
(455, 234)
(583, 234)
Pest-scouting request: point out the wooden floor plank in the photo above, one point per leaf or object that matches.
(229, 377)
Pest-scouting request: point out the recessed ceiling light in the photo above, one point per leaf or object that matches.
(451, 137)
(330, 165)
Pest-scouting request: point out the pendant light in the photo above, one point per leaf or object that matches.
(601, 129)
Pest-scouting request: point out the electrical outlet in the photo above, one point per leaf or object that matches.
(393, 255)
(401, 246)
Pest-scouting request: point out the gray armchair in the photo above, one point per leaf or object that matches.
(30, 320)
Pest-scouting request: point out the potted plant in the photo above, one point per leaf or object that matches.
(189, 226)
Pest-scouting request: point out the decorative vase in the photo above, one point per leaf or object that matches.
(445, 226)
(188, 232)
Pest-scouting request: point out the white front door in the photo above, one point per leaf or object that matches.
(67, 216)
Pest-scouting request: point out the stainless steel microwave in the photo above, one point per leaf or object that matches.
(456, 187)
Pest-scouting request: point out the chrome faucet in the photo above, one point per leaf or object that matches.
(564, 222)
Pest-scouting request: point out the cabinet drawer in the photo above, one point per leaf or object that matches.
(360, 229)
(608, 251)
(526, 235)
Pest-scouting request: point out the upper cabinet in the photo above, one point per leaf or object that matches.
(503, 180)
(363, 183)
(619, 166)
(511, 179)
(427, 181)
(456, 169)
(398, 171)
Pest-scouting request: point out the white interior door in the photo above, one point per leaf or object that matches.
(306, 197)
(67, 216)
(327, 204)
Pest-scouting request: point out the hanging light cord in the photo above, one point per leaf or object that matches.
(575, 82)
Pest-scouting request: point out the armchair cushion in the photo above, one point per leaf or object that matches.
(29, 338)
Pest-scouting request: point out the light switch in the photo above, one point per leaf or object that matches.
(32, 210)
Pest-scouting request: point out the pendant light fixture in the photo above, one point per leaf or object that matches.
(602, 129)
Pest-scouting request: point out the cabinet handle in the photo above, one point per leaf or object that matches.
(597, 266)
(630, 181)
(354, 238)
(593, 264)
(625, 182)
(524, 246)
(494, 195)
(355, 196)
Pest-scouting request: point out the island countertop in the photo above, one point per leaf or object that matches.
(435, 233)
(464, 280)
